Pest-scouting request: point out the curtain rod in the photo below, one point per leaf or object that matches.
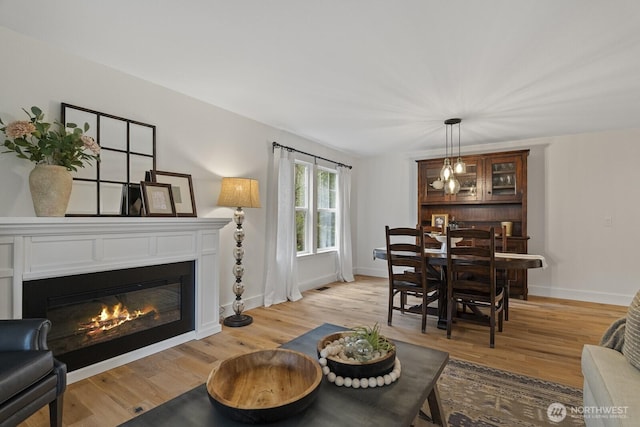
(276, 145)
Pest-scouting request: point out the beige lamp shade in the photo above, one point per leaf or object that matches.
(239, 192)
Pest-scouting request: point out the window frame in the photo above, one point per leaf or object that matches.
(318, 209)
(312, 210)
(306, 210)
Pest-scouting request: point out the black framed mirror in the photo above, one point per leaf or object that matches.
(127, 151)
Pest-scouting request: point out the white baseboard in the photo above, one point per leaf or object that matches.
(105, 365)
(209, 330)
(580, 295)
(249, 303)
(374, 272)
(317, 282)
(258, 300)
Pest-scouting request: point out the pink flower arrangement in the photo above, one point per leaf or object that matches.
(44, 143)
(19, 129)
(91, 144)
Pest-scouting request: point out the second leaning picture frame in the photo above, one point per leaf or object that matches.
(182, 189)
(158, 200)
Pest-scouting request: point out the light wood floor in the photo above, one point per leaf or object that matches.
(543, 339)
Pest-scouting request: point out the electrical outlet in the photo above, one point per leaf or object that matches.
(608, 221)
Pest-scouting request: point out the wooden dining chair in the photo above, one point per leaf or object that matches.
(408, 274)
(471, 275)
(435, 273)
(502, 276)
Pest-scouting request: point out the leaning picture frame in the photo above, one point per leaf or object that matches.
(157, 198)
(132, 203)
(440, 220)
(182, 190)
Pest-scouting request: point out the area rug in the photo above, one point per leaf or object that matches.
(477, 396)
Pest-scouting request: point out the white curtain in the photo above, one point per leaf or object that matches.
(345, 255)
(281, 279)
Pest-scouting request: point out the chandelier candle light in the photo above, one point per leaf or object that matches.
(239, 193)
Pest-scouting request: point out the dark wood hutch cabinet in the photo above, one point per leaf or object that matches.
(493, 189)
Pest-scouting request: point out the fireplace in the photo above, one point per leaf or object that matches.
(33, 249)
(97, 316)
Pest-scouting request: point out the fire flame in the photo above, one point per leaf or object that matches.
(112, 318)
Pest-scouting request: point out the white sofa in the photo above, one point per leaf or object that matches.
(611, 383)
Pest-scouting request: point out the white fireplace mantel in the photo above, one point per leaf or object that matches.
(36, 248)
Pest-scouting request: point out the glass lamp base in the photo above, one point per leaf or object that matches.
(237, 320)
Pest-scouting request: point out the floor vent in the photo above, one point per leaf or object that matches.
(323, 288)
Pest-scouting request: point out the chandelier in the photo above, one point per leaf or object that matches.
(448, 172)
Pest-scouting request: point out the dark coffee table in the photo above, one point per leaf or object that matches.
(393, 405)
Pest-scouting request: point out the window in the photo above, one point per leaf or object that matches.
(302, 207)
(316, 198)
(326, 209)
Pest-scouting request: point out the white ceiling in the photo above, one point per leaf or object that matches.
(370, 76)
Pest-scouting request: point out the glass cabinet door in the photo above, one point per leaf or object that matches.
(503, 178)
(470, 185)
(433, 188)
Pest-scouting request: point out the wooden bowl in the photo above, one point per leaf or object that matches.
(354, 369)
(265, 385)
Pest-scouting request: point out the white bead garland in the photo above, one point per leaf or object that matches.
(371, 382)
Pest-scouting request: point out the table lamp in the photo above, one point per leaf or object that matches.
(239, 193)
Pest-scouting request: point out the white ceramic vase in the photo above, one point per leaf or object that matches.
(50, 187)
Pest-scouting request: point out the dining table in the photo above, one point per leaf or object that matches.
(438, 257)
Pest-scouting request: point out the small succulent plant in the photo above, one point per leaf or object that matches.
(373, 336)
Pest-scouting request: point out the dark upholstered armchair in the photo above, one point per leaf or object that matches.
(30, 377)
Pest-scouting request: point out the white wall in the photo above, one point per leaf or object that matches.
(591, 178)
(388, 196)
(192, 137)
(574, 183)
(569, 192)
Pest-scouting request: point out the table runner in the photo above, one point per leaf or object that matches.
(498, 255)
